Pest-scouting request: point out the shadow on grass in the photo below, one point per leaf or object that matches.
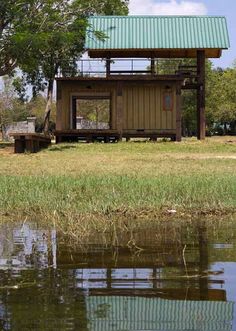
(148, 140)
(60, 148)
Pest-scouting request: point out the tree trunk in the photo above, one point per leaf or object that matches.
(233, 127)
(7, 68)
(48, 107)
(96, 117)
(3, 131)
(225, 128)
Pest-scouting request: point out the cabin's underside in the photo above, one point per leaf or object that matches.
(108, 135)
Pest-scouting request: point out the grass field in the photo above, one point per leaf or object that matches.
(101, 181)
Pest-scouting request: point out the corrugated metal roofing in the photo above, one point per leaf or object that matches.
(137, 313)
(158, 32)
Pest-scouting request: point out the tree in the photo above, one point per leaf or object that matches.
(12, 15)
(12, 109)
(225, 99)
(95, 110)
(7, 16)
(36, 108)
(56, 36)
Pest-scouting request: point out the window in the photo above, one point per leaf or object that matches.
(167, 100)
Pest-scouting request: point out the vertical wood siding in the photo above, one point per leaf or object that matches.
(144, 109)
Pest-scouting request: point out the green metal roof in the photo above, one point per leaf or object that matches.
(158, 32)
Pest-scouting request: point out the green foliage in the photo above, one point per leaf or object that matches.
(20, 87)
(36, 108)
(189, 118)
(44, 37)
(15, 106)
(94, 110)
(12, 109)
(221, 99)
(53, 36)
(12, 15)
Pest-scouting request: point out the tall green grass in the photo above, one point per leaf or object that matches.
(115, 194)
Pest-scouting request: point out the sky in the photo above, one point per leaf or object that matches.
(225, 8)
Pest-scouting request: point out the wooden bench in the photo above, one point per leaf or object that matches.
(30, 142)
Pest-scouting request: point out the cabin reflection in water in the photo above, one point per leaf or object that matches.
(155, 290)
(172, 284)
(133, 299)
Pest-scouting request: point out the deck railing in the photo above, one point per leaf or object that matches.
(110, 67)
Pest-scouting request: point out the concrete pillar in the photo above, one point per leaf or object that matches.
(31, 124)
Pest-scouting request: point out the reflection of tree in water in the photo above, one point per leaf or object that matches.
(25, 247)
(102, 310)
(52, 303)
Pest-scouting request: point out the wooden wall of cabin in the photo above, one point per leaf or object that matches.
(143, 108)
(135, 106)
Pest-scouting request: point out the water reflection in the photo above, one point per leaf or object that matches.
(24, 247)
(179, 278)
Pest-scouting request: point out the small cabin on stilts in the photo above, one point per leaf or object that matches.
(130, 86)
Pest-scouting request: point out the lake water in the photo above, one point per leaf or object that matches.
(171, 277)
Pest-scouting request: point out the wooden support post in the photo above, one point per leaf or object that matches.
(19, 144)
(153, 138)
(201, 122)
(108, 67)
(178, 113)
(154, 276)
(74, 113)
(58, 139)
(109, 278)
(106, 139)
(119, 110)
(30, 146)
(59, 106)
(153, 66)
(203, 261)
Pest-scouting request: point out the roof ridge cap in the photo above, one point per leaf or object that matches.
(157, 16)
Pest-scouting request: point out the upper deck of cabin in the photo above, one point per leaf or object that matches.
(154, 46)
(131, 69)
